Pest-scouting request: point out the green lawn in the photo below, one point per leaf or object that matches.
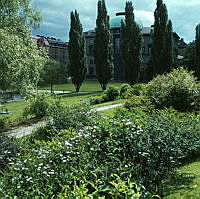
(186, 185)
(88, 85)
(16, 108)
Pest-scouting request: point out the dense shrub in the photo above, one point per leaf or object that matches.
(137, 89)
(75, 116)
(138, 103)
(82, 159)
(96, 100)
(177, 89)
(61, 168)
(39, 104)
(3, 123)
(111, 94)
(8, 150)
(123, 89)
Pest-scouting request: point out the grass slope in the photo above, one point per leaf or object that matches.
(186, 185)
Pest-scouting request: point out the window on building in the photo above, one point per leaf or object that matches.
(117, 45)
(91, 61)
(91, 50)
(143, 50)
(91, 41)
(91, 71)
(149, 49)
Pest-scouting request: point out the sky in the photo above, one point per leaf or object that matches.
(184, 14)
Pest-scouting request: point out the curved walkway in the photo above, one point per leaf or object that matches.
(26, 130)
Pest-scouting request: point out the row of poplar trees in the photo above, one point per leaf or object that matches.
(131, 44)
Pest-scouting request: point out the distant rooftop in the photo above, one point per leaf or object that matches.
(115, 22)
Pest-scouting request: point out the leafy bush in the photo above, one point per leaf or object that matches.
(137, 89)
(139, 103)
(39, 104)
(96, 100)
(123, 89)
(3, 123)
(75, 116)
(8, 150)
(111, 94)
(177, 89)
(63, 164)
(115, 189)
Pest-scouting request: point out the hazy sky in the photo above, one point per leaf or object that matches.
(185, 15)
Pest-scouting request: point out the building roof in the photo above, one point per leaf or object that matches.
(182, 44)
(115, 22)
(146, 30)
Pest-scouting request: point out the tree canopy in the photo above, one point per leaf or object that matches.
(197, 51)
(162, 50)
(20, 59)
(103, 47)
(77, 52)
(131, 44)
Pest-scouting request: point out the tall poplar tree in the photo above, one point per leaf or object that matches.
(131, 44)
(77, 52)
(103, 48)
(162, 40)
(197, 51)
(169, 47)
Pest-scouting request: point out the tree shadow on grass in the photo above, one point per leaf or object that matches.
(80, 94)
(177, 183)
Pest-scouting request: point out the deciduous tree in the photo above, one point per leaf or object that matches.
(20, 59)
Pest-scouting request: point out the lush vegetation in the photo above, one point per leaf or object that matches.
(81, 154)
(103, 47)
(77, 52)
(162, 49)
(131, 44)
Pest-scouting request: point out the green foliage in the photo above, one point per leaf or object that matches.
(103, 48)
(8, 150)
(20, 61)
(177, 89)
(197, 51)
(189, 56)
(137, 89)
(40, 105)
(3, 123)
(131, 44)
(139, 103)
(75, 116)
(18, 16)
(111, 94)
(162, 49)
(52, 72)
(96, 100)
(115, 189)
(78, 63)
(123, 90)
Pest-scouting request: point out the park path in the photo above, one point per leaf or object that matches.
(26, 130)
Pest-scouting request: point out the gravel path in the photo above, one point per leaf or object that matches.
(23, 131)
